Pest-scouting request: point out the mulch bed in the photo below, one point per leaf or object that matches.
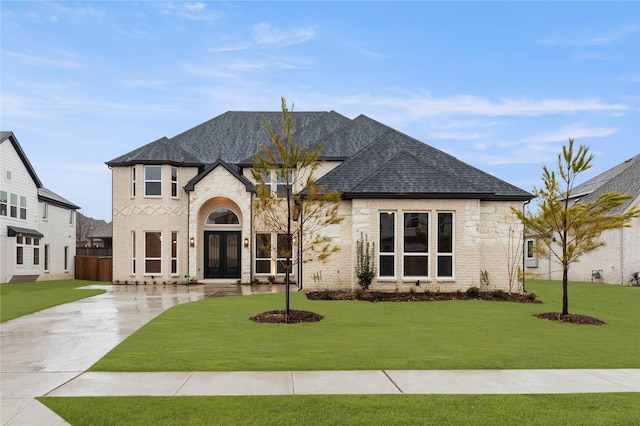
(295, 316)
(279, 317)
(374, 296)
(570, 318)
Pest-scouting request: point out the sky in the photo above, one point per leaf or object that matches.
(499, 85)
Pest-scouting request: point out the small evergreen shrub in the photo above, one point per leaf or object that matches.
(365, 261)
(473, 292)
(498, 294)
(531, 296)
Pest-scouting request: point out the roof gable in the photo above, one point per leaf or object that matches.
(623, 178)
(190, 186)
(9, 136)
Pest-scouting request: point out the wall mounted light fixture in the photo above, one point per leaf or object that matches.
(246, 242)
(192, 241)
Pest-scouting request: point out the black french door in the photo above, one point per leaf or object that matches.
(222, 254)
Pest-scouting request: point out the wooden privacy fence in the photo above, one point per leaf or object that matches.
(94, 268)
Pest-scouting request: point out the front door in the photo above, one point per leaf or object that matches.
(222, 254)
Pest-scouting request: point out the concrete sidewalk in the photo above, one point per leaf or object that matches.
(351, 382)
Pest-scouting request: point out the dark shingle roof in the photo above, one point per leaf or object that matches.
(9, 136)
(623, 178)
(379, 161)
(398, 165)
(53, 198)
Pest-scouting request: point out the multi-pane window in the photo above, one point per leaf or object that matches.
(3, 203)
(14, 205)
(416, 244)
(174, 253)
(152, 252)
(133, 252)
(152, 181)
(266, 180)
(387, 246)
(23, 207)
(133, 181)
(284, 182)
(445, 245)
(36, 251)
(174, 181)
(531, 258)
(283, 252)
(263, 253)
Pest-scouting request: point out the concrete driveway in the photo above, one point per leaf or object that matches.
(41, 351)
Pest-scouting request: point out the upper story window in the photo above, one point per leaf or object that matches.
(45, 210)
(133, 181)
(23, 207)
(3, 203)
(174, 181)
(284, 183)
(71, 212)
(153, 181)
(14, 205)
(222, 216)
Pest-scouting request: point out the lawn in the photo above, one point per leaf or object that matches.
(581, 409)
(216, 335)
(18, 299)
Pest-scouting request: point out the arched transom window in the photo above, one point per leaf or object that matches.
(222, 216)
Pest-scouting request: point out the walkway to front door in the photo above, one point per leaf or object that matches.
(222, 254)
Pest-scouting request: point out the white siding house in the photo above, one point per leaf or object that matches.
(618, 260)
(37, 226)
(184, 206)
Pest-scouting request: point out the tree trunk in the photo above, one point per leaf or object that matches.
(565, 298)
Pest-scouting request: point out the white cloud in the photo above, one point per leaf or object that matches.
(575, 131)
(193, 11)
(598, 39)
(40, 61)
(427, 106)
(267, 35)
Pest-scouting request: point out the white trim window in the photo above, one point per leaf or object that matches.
(445, 245)
(14, 205)
(174, 253)
(416, 245)
(152, 252)
(45, 210)
(47, 252)
(387, 245)
(153, 181)
(531, 257)
(133, 252)
(3, 203)
(263, 254)
(174, 182)
(133, 181)
(23, 207)
(36, 251)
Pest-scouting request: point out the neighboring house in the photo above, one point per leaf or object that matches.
(184, 206)
(619, 259)
(37, 226)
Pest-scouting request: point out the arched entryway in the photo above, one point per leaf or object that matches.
(222, 244)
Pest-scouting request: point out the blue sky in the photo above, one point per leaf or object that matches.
(500, 85)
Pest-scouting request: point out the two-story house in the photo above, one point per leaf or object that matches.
(183, 205)
(37, 226)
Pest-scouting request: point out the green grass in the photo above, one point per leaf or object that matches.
(574, 409)
(216, 335)
(20, 299)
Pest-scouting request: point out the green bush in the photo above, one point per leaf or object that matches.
(365, 261)
(473, 292)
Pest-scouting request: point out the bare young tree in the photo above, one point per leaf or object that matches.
(298, 207)
(567, 229)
